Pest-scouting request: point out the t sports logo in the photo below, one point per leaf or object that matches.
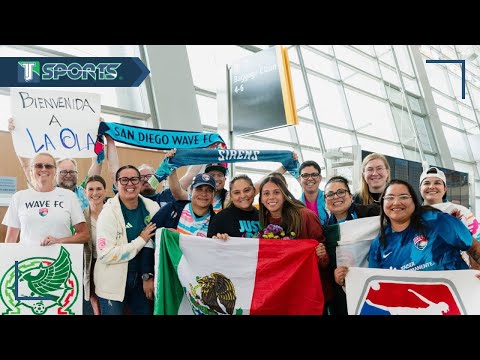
(72, 72)
(409, 296)
(28, 72)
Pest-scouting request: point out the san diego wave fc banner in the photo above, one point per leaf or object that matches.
(184, 157)
(153, 138)
(158, 139)
(72, 71)
(402, 292)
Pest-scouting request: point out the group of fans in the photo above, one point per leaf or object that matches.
(117, 233)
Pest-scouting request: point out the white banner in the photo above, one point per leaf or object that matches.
(64, 124)
(402, 292)
(41, 280)
(356, 236)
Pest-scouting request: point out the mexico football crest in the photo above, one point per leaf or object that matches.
(40, 285)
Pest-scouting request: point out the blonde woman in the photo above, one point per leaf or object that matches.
(43, 214)
(375, 176)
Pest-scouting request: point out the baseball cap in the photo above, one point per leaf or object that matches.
(219, 167)
(203, 179)
(433, 172)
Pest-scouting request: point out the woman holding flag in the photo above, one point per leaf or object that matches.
(339, 202)
(279, 207)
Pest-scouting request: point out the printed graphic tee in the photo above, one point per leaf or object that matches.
(438, 249)
(41, 214)
(235, 222)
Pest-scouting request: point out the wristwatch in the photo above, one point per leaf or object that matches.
(147, 276)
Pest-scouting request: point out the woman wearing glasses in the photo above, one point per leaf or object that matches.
(312, 196)
(44, 214)
(413, 237)
(339, 201)
(123, 231)
(375, 176)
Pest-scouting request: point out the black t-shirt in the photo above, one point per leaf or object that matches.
(235, 222)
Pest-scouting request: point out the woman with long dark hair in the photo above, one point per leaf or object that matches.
(413, 237)
(279, 207)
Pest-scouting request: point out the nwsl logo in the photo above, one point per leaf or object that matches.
(407, 296)
(420, 242)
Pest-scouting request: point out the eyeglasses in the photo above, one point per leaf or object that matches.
(401, 198)
(125, 180)
(340, 193)
(312, 175)
(378, 169)
(41, 166)
(146, 177)
(68, 172)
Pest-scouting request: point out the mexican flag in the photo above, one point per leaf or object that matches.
(348, 243)
(240, 276)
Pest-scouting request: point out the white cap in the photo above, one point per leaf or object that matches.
(433, 172)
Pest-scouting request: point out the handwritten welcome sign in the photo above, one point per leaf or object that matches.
(62, 123)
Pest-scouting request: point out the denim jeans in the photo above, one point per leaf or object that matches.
(134, 299)
(87, 307)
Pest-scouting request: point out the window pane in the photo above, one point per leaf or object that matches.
(300, 93)
(329, 101)
(325, 48)
(319, 63)
(361, 81)
(207, 107)
(334, 139)
(390, 75)
(403, 58)
(437, 77)
(381, 147)
(449, 118)
(444, 101)
(307, 134)
(456, 143)
(373, 116)
(358, 60)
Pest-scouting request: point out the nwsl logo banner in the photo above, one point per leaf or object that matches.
(401, 292)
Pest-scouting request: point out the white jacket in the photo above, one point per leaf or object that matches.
(113, 249)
